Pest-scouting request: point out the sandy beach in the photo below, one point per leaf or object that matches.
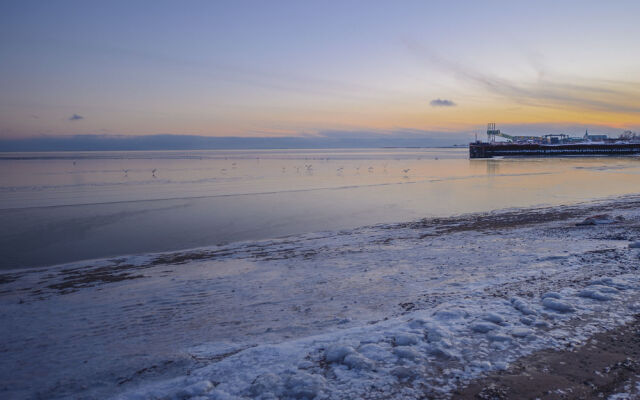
(605, 367)
(408, 310)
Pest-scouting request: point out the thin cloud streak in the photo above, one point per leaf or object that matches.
(620, 97)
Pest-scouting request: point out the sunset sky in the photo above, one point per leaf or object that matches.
(296, 68)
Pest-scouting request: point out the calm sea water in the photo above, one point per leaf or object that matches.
(60, 207)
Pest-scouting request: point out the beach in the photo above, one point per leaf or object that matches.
(407, 310)
(319, 200)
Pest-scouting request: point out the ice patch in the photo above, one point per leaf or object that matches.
(557, 305)
(337, 353)
(438, 351)
(612, 282)
(406, 339)
(521, 332)
(450, 314)
(522, 306)
(403, 373)
(482, 327)
(493, 317)
(197, 389)
(406, 352)
(375, 352)
(357, 361)
(498, 337)
(527, 320)
(594, 294)
(292, 385)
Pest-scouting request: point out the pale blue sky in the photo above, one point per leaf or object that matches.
(256, 68)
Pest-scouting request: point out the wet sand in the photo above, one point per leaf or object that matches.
(607, 364)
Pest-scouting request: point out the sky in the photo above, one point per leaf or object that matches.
(325, 68)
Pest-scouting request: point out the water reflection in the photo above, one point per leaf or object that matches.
(71, 206)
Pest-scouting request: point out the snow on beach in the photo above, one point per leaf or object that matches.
(402, 310)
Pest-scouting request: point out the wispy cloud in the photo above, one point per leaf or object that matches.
(545, 90)
(442, 103)
(76, 117)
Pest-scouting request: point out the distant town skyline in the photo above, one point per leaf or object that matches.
(317, 69)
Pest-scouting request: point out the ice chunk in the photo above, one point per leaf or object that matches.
(357, 361)
(403, 373)
(521, 332)
(500, 365)
(541, 324)
(557, 305)
(450, 314)
(221, 395)
(439, 352)
(553, 295)
(406, 352)
(374, 352)
(482, 365)
(498, 337)
(417, 323)
(611, 282)
(337, 353)
(493, 317)
(434, 333)
(265, 384)
(527, 320)
(522, 306)
(196, 389)
(599, 219)
(406, 339)
(595, 294)
(482, 327)
(302, 385)
(604, 289)
(634, 245)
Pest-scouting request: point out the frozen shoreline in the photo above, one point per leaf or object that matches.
(416, 308)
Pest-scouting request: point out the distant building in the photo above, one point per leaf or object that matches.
(594, 138)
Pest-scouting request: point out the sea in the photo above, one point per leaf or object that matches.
(59, 207)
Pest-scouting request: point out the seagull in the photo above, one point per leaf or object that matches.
(153, 173)
(126, 172)
(406, 170)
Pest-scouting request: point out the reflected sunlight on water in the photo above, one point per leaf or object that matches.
(84, 205)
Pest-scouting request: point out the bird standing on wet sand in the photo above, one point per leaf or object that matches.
(153, 172)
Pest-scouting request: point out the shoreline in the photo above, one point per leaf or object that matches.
(607, 364)
(493, 219)
(418, 308)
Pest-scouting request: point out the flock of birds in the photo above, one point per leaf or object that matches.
(307, 169)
